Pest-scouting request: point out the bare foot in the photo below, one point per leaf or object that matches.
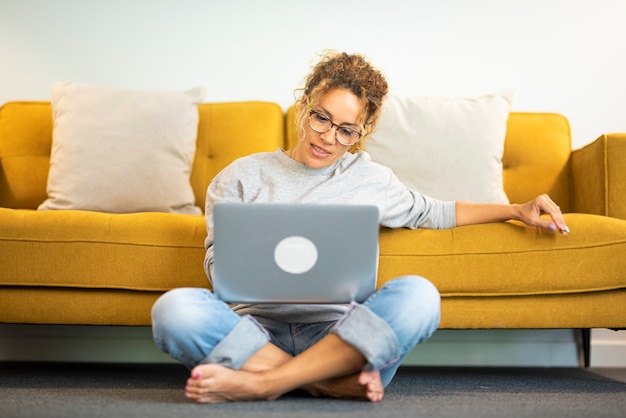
(363, 385)
(212, 383)
(374, 385)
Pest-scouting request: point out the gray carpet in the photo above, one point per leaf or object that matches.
(117, 390)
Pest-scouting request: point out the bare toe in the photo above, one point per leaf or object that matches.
(372, 381)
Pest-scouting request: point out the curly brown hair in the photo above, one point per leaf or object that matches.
(349, 71)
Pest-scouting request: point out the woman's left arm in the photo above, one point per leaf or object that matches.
(529, 213)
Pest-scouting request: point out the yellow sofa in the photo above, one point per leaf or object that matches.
(78, 267)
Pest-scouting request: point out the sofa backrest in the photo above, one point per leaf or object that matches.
(537, 148)
(226, 131)
(25, 141)
(536, 155)
(536, 158)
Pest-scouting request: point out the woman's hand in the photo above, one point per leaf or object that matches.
(530, 213)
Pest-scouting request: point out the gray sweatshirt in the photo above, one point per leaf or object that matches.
(273, 177)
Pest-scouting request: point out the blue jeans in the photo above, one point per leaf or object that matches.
(195, 327)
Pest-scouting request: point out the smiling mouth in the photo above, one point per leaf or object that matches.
(319, 150)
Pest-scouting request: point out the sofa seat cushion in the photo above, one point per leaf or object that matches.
(570, 310)
(509, 259)
(157, 252)
(81, 249)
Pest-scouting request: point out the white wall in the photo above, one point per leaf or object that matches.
(565, 56)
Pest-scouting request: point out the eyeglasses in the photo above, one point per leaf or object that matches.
(321, 123)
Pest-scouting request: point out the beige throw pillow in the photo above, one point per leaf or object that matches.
(116, 150)
(447, 148)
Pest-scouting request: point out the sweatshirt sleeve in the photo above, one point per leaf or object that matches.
(410, 209)
(223, 188)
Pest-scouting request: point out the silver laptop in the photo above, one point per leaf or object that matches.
(295, 253)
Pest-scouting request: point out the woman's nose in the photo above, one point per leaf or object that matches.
(330, 136)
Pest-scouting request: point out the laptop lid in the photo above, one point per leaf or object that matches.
(295, 253)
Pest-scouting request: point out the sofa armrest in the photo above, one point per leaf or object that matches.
(599, 177)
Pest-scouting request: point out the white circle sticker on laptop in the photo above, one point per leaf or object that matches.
(295, 254)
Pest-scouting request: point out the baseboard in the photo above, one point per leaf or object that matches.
(521, 348)
(77, 343)
(608, 348)
(498, 348)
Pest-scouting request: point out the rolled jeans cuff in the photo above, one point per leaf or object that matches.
(370, 335)
(246, 338)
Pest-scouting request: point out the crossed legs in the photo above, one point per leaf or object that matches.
(231, 357)
(329, 368)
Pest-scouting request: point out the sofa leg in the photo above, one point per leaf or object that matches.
(585, 335)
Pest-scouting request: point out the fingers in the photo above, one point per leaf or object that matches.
(563, 229)
(547, 206)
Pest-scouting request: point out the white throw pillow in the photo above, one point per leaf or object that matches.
(447, 148)
(123, 151)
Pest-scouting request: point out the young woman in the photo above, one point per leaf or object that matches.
(261, 351)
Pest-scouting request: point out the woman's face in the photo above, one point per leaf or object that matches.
(319, 150)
